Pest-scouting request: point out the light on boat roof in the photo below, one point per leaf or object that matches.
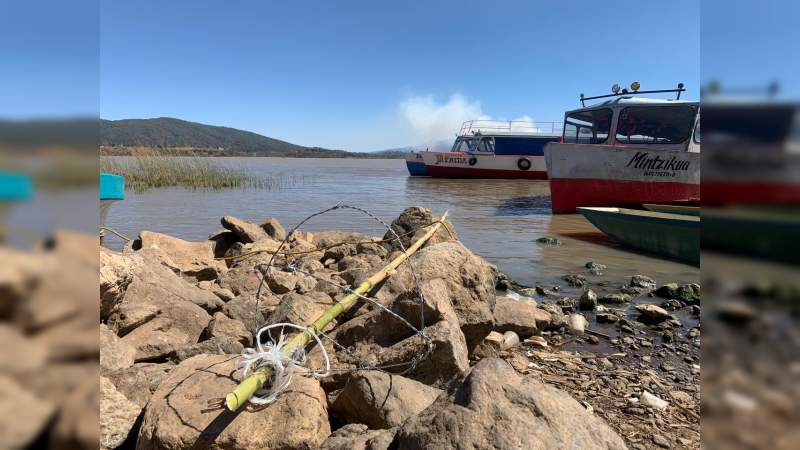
(635, 86)
(615, 88)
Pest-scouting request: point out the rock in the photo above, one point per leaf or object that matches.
(652, 314)
(382, 400)
(301, 309)
(614, 298)
(409, 226)
(497, 408)
(222, 325)
(661, 441)
(241, 280)
(548, 240)
(138, 382)
(448, 358)
(179, 324)
(537, 341)
(577, 323)
(178, 416)
(510, 339)
(357, 436)
(338, 243)
(117, 415)
(596, 269)
(557, 317)
(221, 241)
(246, 232)
(194, 260)
(588, 300)
(736, 312)
(19, 354)
(469, 283)
(19, 274)
(568, 305)
(20, 425)
(128, 316)
(280, 282)
(652, 401)
(643, 282)
(494, 340)
(77, 425)
(689, 293)
(218, 345)
(274, 229)
(575, 280)
(521, 317)
(606, 318)
(114, 354)
(243, 308)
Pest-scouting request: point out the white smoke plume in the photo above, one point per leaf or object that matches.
(431, 121)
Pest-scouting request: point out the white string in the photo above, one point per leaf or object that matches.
(283, 364)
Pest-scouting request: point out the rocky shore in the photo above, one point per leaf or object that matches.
(508, 366)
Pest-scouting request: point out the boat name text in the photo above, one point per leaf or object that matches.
(656, 164)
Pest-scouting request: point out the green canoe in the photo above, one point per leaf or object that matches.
(673, 209)
(672, 235)
(771, 233)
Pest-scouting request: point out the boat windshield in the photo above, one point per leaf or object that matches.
(588, 127)
(462, 145)
(655, 125)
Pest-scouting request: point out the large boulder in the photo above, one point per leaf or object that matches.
(301, 309)
(357, 436)
(222, 325)
(194, 260)
(496, 408)
(117, 415)
(448, 357)
(274, 229)
(178, 415)
(246, 232)
(521, 317)
(138, 382)
(180, 322)
(23, 415)
(217, 345)
(469, 284)
(412, 224)
(382, 400)
(114, 354)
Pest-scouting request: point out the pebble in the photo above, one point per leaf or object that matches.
(660, 441)
(652, 401)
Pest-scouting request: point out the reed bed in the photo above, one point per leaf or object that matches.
(150, 168)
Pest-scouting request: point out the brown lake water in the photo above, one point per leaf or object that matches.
(497, 219)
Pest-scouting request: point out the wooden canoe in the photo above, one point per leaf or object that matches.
(672, 235)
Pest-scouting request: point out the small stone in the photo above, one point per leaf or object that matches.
(536, 341)
(575, 280)
(548, 241)
(577, 323)
(644, 282)
(596, 269)
(593, 339)
(652, 314)
(661, 441)
(614, 298)
(588, 300)
(652, 401)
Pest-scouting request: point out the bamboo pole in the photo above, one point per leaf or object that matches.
(254, 382)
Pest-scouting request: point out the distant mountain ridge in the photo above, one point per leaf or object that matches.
(168, 132)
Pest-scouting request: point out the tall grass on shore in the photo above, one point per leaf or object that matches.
(151, 168)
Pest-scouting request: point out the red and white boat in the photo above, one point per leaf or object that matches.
(493, 149)
(626, 151)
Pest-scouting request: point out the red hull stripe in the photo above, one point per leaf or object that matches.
(463, 172)
(750, 192)
(568, 194)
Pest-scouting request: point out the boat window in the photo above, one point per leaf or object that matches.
(461, 145)
(486, 145)
(697, 133)
(588, 127)
(655, 124)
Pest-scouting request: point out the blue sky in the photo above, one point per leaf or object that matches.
(372, 74)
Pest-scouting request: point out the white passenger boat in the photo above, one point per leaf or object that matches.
(495, 149)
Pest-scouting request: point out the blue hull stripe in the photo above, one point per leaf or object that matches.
(417, 169)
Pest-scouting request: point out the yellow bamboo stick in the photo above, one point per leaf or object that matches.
(254, 382)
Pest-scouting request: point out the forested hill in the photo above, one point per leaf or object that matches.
(166, 132)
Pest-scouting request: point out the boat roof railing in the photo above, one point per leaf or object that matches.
(617, 92)
(510, 128)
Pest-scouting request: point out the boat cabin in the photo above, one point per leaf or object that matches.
(625, 120)
(502, 138)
